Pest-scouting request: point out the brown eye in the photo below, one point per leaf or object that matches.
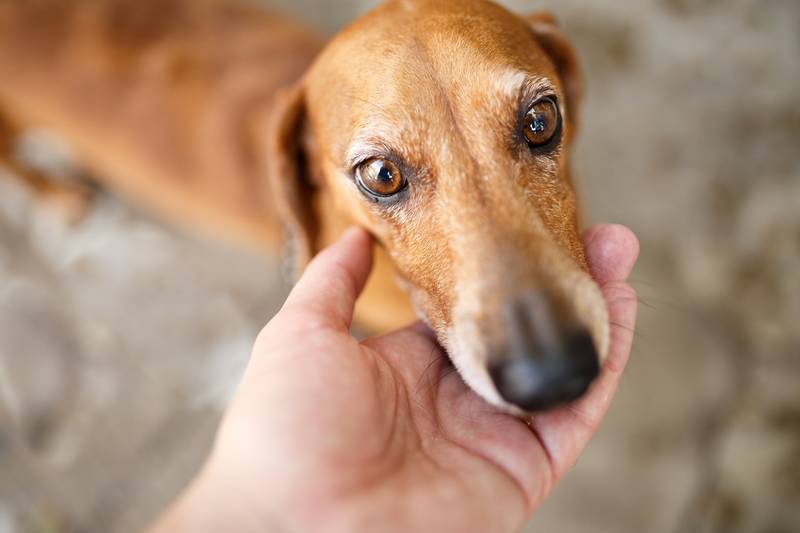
(542, 122)
(380, 177)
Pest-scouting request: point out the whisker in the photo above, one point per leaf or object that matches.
(645, 303)
(622, 326)
(354, 96)
(654, 301)
(639, 281)
(437, 357)
(445, 371)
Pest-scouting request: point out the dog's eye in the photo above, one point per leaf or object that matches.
(380, 177)
(542, 122)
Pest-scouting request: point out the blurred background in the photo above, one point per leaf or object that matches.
(121, 337)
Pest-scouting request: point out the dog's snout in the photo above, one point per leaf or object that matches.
(545, 362)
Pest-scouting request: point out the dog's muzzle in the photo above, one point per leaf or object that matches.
(547, 360)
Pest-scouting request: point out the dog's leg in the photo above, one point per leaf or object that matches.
(71, 199)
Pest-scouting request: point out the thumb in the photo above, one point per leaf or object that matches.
(327, 291)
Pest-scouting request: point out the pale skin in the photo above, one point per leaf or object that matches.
(331, 434)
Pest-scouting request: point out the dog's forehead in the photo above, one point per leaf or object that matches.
(419, 62)
(450, 38)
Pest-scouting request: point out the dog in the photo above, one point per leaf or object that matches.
(444, 128)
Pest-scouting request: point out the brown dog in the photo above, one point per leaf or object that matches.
(442, 127)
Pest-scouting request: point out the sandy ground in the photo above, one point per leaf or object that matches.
(121, 338)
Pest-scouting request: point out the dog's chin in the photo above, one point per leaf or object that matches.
(463, 344)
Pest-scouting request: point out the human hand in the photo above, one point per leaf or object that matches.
(327, 433)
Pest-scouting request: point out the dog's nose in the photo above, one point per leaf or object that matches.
(544, 366)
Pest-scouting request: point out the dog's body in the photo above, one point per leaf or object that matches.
(164, 103)
(159, 100)
(168, 103)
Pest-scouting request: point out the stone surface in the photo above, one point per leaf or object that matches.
(120, 338)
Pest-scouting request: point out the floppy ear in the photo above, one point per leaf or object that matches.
(290, 187)
(565, 58)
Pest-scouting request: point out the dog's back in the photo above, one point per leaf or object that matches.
(158, 99)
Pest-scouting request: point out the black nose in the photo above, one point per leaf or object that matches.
(540, 381)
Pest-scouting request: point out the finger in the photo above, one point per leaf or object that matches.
(612, 251)
(327, 291)
(565, 432)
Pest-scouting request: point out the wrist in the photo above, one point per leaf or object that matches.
(211, 504)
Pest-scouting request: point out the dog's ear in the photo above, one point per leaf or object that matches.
(291, 189)
(558, 47)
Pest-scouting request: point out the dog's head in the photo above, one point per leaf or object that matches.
(445, 128)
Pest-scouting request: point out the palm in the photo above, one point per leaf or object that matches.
(449, 447)
(385, 425)
(403, 431)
